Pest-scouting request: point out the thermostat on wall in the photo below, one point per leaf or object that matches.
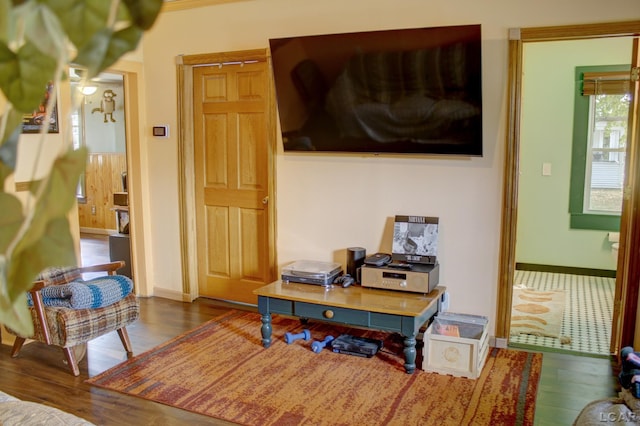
(161, 131)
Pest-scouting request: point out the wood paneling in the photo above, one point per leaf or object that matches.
(103, 177)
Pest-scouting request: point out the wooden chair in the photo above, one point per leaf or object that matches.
(71, 328)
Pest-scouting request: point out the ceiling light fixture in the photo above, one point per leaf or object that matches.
(88, 90)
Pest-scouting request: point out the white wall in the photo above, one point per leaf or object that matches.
(105, 136)
(328, 202)
(36, 151)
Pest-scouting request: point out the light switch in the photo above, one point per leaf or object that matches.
(546, 169)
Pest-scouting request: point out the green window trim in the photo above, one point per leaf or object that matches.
(579, 219)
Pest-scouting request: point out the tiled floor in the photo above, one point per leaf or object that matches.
(587, 317)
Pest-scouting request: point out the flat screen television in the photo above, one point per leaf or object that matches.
(415, 91)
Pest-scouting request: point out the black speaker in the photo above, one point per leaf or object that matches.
(355, 259)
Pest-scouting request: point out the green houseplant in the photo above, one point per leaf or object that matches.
(39, 39)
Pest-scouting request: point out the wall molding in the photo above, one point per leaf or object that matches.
(173, 5)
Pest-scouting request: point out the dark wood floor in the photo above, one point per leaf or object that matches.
(40, 375)
(568, 382)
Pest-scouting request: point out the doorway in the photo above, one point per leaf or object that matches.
(99, 123)
(136, 170)
(573, 258)
(625, 298)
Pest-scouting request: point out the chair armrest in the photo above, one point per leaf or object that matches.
(38, 306)
(110, 267)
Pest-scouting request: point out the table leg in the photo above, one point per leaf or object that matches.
(410, 353)
(266, 330)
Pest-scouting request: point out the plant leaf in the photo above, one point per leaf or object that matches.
(5, 22)
(16, 315)
(47, 241)
(143, 12)
(43, 29)
(24, 76)
(10, 219)
(58, 196)
(55, 247)
(81, 19)
(5, 172)
(35, 36)
(9, 141)
(106, 47)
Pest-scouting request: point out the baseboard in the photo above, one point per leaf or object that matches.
(566, 270)
(498, 342)
(536, 348)
(170, 294)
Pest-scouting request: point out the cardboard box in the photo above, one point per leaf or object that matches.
(120, 199)
(456, 346)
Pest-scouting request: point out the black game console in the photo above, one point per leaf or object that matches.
(358, 346)
(377, 259)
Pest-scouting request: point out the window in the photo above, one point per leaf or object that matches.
(599, 146)
(77, 127)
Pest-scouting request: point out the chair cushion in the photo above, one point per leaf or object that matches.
(96, 293)
(70, 327)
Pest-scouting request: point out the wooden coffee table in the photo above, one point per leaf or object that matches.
(386, 310)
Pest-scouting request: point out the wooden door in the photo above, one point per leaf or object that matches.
(625, 331)
(232, 173)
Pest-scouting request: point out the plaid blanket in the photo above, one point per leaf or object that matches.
(95, 293)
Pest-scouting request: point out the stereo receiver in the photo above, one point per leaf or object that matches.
(419, 279)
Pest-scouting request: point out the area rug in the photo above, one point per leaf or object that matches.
(220, 369)
(538, 313)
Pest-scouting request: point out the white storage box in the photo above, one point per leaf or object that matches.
(456, 344)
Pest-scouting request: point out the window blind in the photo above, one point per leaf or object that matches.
(606, 83)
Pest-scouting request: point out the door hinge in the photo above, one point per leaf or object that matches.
(635, 73)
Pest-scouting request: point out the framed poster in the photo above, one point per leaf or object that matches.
(32, 123)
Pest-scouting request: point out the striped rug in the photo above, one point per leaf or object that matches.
(220, 369)
(538, 312)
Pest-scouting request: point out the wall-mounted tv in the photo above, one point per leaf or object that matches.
(415, 91)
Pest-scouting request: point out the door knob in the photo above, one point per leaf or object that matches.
(265, 200)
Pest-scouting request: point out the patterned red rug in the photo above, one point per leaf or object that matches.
(220, 369)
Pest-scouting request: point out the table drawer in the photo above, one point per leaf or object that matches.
(330, 313)
(386, 322)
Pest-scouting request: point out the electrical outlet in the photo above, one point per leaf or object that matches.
(93, 210)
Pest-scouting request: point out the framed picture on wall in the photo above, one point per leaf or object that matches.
(32, 123)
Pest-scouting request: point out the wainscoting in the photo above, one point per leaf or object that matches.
(103, 177)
